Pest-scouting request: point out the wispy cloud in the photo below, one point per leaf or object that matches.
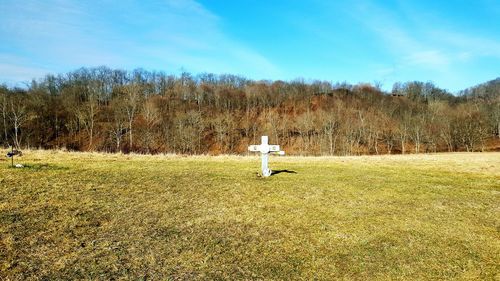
(474, 45)
(405, 45)
(166, 35)
(14, 70)
(419, 44)
(14, 74)
(431, 58)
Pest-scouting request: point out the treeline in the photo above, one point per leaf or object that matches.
(101, 109)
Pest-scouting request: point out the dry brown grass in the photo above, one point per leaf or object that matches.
(109, 216)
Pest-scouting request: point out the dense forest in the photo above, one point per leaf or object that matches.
(102, 109)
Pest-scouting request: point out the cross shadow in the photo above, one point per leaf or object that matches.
(282, 171)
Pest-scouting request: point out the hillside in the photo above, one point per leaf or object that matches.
(103, 109)
(489, 90)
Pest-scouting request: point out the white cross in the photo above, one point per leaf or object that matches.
(265, 149)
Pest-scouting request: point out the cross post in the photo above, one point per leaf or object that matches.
(265, 149)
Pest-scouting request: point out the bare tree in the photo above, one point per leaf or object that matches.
(223, 125)
(417, 130)
(119, 122)
(495, 117)
(470, 128)
(331, 130)
(151, 116)
(305, 126)
(131, 95)
(190, 127)
(404, 131)
(18, 114)
(4, 104)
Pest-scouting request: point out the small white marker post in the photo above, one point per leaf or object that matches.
(265, 149)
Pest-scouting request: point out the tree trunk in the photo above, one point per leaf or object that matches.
(130, 133)
(16, 129)
(91, 130)
(4, 115)
(417, 143)
(331, 144)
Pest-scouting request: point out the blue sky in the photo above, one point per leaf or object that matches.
(455, 44)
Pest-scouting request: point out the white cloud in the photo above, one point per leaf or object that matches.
(421, 48)
(473, 45)
(167, 35)
(16, 75)
(430, 58)
(15, 70)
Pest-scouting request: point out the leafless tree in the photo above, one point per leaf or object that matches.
(18, 114)
(4, 105)
(131, 95)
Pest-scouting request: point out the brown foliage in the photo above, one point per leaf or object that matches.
(149, 112)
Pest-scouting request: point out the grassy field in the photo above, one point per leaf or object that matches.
(98, 216)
